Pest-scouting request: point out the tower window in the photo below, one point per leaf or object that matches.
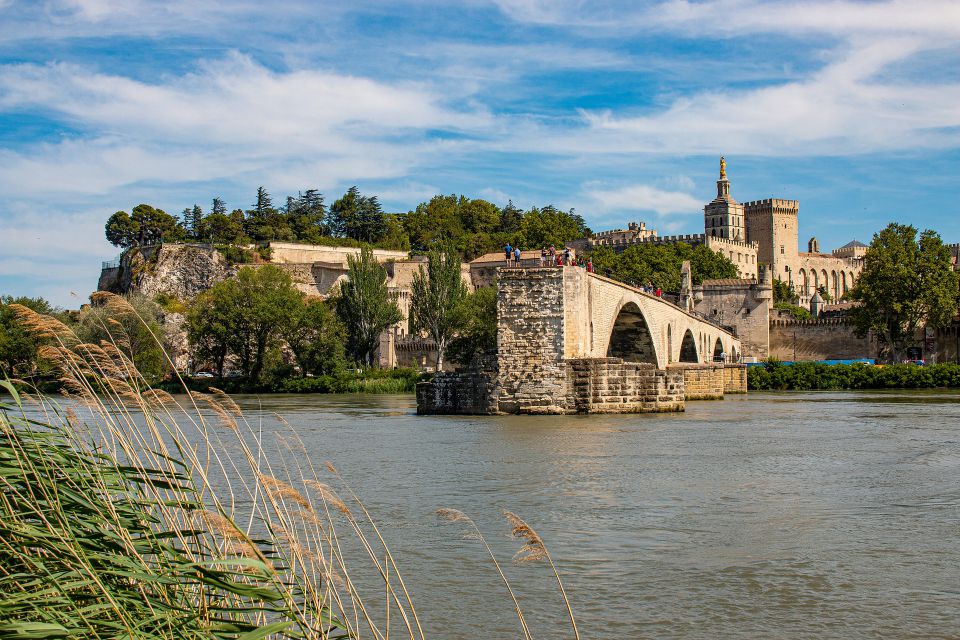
(781, 249)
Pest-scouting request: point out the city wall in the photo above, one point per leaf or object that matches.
(822, 339)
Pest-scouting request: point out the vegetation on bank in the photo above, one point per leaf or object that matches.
(471, 226)
(813, 376)
(126, 513)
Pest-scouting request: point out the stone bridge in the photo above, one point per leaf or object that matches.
(569, 341)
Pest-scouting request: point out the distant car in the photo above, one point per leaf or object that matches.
(919, 363)
(203, 374)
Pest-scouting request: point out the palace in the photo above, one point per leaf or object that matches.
(758, 234)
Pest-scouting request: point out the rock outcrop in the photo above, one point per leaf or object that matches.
(180, 271)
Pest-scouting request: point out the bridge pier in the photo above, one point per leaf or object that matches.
(567, 342)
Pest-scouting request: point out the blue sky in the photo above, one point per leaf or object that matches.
(619, 109)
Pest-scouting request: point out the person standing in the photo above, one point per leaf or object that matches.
(589, 265)
(516, 255)
(508, 253)
(543, 257)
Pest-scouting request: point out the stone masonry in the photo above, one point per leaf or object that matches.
(572, 342)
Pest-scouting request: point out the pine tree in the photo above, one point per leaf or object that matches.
(196, 222)
(219, 207)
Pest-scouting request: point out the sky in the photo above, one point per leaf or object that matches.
(617, 109)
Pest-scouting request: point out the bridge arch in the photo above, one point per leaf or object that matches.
(718, 351)
(630, 337)
(688, 348)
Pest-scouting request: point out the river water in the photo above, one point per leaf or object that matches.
(802, 515)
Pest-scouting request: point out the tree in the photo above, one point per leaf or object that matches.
(472, 226)
(316, 338)
(365, 305)
(244, 316)
(219, 206)
(510, 218)
(906, 284)
(220, 229)
(358, 217)
(306, 216)
(478, 335)
(782, 292)
(549, 225)
(436, 298)
(209, 330)
(121, 231)
(264, 222)
(18, 346)
(134, 328)
(660, 265)
(144, 226)
(196, 220)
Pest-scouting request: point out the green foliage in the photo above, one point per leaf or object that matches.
(18, 347)
(145, 226)
(799, 313)
(436, 298)
(134, 327)
(87, 552)
(316, 338)
(245, 316)
(824, 294)
(358, 217)
(369, 381)
(549, 225)
(783, 293)
(219, 228)
(365, 306)
(660, 265)
(478, 337)
(469, 225)
(169, 303)
(806, 376)
(906, 284)
(236, 255)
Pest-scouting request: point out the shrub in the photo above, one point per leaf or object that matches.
(807, 376)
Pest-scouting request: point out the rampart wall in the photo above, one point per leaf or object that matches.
(823, 339)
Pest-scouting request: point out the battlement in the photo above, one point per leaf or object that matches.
(714, 240)
(772, 205)
(689, 238)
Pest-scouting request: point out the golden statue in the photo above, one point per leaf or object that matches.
(723, 168)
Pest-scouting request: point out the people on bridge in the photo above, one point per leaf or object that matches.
(516, 255)
(544, 257)
(589, 265)
(508, 253)
(566, 256)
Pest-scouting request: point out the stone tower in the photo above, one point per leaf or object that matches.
(772, 224)
(723, 217)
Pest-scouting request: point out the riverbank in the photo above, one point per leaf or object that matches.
(401, 380)
(812, 376)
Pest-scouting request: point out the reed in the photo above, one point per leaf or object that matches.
(127, 512)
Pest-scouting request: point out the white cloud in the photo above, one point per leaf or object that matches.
(641, 198)
(839, 110)
(841, 18)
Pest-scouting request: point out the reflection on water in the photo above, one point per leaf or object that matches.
(787, 515)
(775, 515)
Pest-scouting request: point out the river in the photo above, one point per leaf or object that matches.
(799, 515)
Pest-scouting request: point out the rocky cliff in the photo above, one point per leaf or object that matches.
(177, 270)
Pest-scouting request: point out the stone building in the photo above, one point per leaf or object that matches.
(634, 233)
(765, 233)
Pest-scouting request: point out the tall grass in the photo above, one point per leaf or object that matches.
(125, 512)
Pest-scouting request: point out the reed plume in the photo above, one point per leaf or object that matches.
(534, 549)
